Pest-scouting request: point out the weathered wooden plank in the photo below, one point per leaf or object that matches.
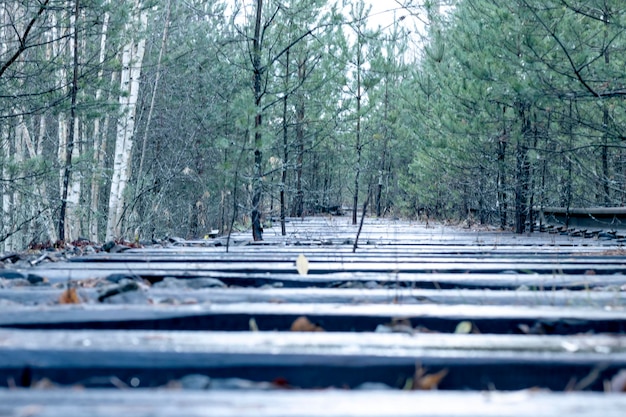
(337, 403)
(332, 317)
(607, 217)
(337, 261)
(321, 343)
(391, 247)
(272, 257)
(307, 360)
(506, 279)
(501, 274)
(392, 260)
(182, 294)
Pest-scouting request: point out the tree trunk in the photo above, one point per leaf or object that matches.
(7, 206)
(257, 183)
(283, 168)
(522, 170)
(70, 189)
(569, 165)
(606, 175)
(383, 156)
(502, 182)
(298, 206)
(358, 134)
(99, 142)
(132, 57)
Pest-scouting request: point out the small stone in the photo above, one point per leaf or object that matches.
(11, 258)
(116, 278)
(195, 382)
(36, 279)
(132, 297)
(11, 274)
(119, 248)
(197, 283)
(123, 286)
(189, 283)
(107, 246)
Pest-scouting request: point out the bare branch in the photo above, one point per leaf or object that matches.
(554, 36)
(23, 39)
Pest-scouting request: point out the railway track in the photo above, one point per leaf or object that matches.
(479, 322)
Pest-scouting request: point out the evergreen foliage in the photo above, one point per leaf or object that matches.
(479, 110)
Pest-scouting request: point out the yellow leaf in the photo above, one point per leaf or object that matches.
(302, 265)
(464, 327)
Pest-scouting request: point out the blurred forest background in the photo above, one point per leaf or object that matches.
(140, 119)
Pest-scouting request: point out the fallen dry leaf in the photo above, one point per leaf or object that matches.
(69, 296)
(303, 324)
(302, 265)
(425, 382)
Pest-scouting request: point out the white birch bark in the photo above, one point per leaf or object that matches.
(132, 57)
(99, 142)
(72, 220)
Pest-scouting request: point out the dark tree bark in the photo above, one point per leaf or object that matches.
(358, 147)
(605, 127)
(522, 175)
(502, 182)
(383, 156)
(257, 186)
(283, 169)
(298, 205)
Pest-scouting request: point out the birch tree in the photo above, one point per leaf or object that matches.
(131, 60)
(70, 187)
(100, 128)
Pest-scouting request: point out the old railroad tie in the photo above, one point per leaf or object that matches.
(481, 322)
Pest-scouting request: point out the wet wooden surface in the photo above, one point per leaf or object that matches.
(332, 317)
(336, 403)
(543, 310)
(309, 360)
(609, 298)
